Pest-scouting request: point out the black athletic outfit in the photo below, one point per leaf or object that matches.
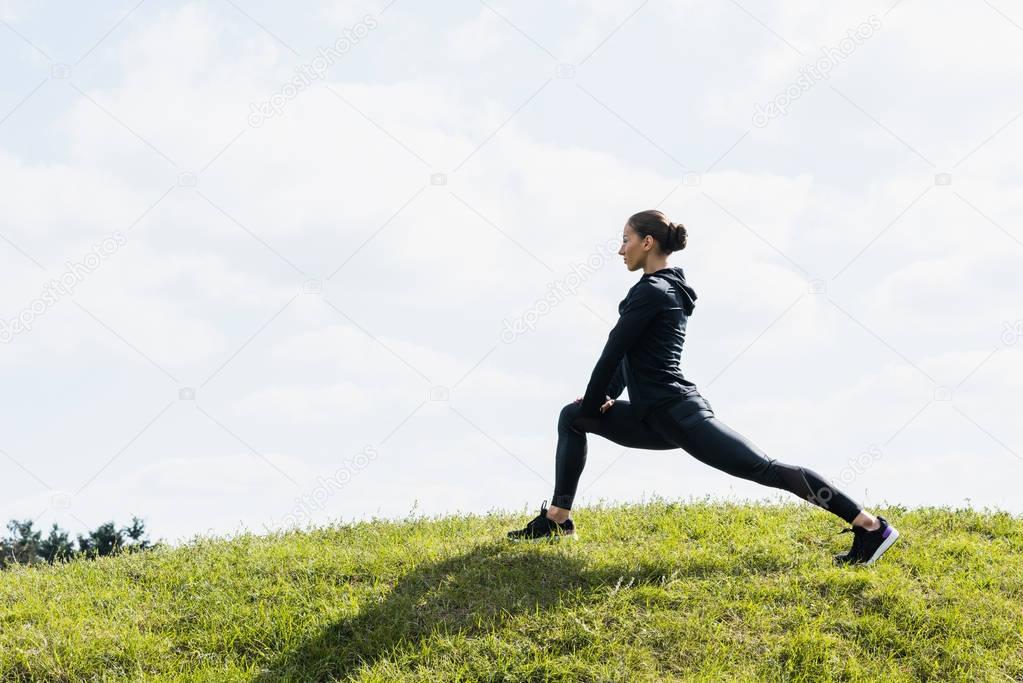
(665, 410)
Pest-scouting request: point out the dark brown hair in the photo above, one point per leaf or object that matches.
(670, 236)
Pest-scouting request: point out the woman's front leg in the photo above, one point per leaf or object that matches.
(618, 425)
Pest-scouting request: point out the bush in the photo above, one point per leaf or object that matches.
(26, 546)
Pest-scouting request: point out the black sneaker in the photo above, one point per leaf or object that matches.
(540, 528)
(868, 546)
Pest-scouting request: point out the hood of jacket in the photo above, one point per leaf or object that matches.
(676, 277)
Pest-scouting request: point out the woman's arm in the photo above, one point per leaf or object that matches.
(644, 303)
(617, 385)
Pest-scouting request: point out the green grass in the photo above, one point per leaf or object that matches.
(700, 591)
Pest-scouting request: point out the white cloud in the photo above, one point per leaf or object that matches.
(308, 404)
(11, 9)
(481, 37)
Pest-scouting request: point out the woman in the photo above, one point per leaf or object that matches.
(665, 410)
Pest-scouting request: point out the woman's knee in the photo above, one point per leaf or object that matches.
(783, 475)
(571, 419)
(568, 413)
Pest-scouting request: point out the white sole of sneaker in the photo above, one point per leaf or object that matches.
(885, 545)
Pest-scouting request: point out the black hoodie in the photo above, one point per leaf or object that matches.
(644, 349)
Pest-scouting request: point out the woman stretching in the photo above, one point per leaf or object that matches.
(665, 410)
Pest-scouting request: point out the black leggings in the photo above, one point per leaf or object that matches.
(689, 424)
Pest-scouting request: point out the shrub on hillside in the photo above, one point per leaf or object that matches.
(26, 545)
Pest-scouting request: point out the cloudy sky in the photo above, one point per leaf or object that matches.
(265, 265)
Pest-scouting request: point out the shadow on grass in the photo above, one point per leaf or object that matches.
(471, 593)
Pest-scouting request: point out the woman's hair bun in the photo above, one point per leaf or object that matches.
(677, 236)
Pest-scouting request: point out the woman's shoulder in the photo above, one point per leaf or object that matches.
(648, 291)
(651, 287)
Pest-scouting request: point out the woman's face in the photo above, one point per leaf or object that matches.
(632, 249)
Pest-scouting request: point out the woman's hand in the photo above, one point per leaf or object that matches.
(604, 408)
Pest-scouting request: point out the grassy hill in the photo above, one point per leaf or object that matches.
(662, 591)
